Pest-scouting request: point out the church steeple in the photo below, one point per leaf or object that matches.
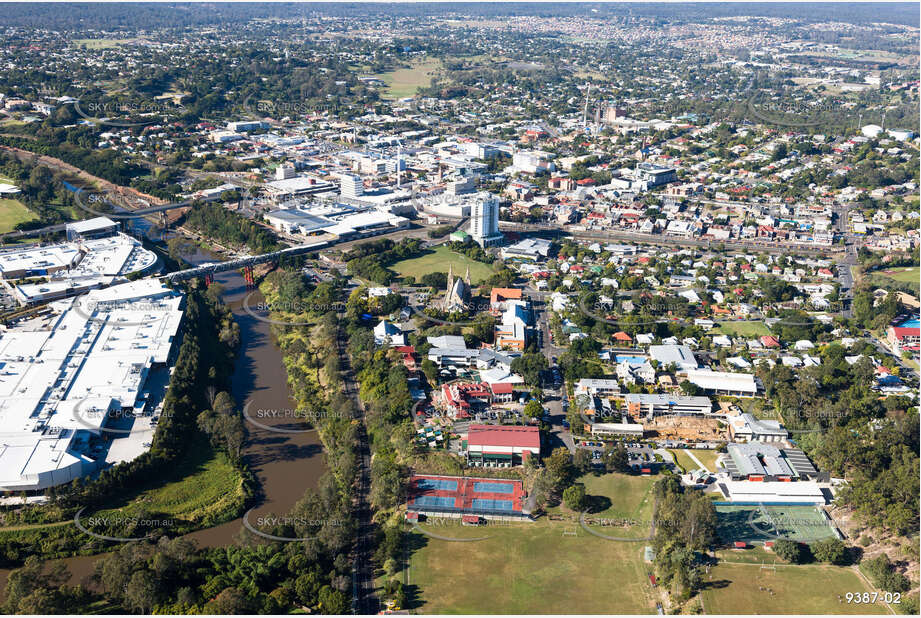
(467, 276)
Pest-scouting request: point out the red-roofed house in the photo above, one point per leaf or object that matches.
(502, 446)
(498, 296)
(769, 341)
(502, 392)
(622, 337)
(408, 354)
(904, 338)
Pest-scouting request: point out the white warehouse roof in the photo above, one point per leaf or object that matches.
(723, 381)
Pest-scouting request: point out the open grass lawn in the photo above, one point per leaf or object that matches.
(12, 213)
(101, 43)
(438, 260)
(686, 462)
(908, 274)
(707, 457)
(526, 568)
(808, 589)
(741, 329)
(404, 82)
(623, 498)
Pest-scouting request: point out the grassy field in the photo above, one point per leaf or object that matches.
(908, 274)
(809, 589)
(101, 43)
(13, 212)
(201, 487)
(684, 460)
(620, 497)
(438, 260)
(707, 457)
(741, 329)
(404, 82)
(527, 568)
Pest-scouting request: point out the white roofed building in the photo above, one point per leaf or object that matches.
(64, 372)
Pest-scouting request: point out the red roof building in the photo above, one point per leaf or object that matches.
(769, 341)
(502, 392)
(904, 338)
(502, 445)
(460, 399)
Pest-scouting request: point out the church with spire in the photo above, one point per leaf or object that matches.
(457, 294)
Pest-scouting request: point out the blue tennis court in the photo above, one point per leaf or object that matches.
(492, 505)
(493, 488)
(445, 502)
(436, 484)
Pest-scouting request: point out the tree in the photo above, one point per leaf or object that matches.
(229, 601)
(582, 460)
(530, 366)
(533, 409)
(617, 459)
(333, 601)
(688, 388)
(831, 550)
(574, 497)
(788, 550)
(141, 592)
(560, 468)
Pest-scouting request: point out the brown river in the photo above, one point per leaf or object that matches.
(286, 464)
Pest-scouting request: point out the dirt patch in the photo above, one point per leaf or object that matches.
(685, 428)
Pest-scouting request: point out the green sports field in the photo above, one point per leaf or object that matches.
(438, 260)
(12, 213)
(908, 274)
(405, 82)
(741, 329)
(526, 568)
(542, 567)
(734, 588)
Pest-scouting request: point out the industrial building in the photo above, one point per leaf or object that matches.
(75, 267)
(71, 373)
(527, 249)
(766, 462)
(342, 220)
(299, 186)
